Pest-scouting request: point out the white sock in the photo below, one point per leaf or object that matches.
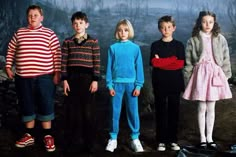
(210, 120)
(202, 120)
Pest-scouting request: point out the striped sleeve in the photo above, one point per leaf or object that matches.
(11, 52)
(56, 50)
(96, 60)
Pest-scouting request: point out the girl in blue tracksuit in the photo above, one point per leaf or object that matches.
(124, 77)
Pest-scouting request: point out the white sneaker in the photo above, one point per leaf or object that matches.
(174, 146)
(161, 147)
(111, 145)
(137, 146)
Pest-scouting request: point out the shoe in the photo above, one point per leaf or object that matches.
(49, 143)
(111, 145)
(161, 147)
(202, 145)
(137, 146)
(26, 140)
(174, 146)
(212, 146)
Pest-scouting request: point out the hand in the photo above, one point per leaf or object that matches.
(93, 87)
(156, 56)
(136, 92)
(112, 92)
(66, 87)
(56, 78)
(9, 72)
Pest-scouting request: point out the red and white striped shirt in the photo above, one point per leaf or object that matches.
(35, 52)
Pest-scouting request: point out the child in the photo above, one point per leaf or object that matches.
(206, 72)
(80, 74)
(36, 52)
(124, 77)
(167, 60)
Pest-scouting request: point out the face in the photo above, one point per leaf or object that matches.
(207, 23)
(167, 29)
(80, 26)
(34, 18)
(123, 33)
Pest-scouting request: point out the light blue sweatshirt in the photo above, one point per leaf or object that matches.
(124, 64)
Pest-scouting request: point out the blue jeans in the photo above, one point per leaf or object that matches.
(131, 102)
(36, 97)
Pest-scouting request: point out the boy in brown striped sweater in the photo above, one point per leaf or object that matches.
(80, 74)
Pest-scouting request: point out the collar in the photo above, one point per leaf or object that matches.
(203, 34)
(37, 28)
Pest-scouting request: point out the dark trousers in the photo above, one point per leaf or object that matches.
(167, 115)
(80, 112)
(36, 97)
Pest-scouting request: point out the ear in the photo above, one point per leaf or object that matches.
(174, 28)
(87, 25)
(42, 17)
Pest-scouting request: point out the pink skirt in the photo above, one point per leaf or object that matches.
(207, 83)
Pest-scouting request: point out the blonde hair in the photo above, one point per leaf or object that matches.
(126, 23)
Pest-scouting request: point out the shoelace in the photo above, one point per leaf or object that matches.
(24, 138)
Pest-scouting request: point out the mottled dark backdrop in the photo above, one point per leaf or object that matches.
(103, 16)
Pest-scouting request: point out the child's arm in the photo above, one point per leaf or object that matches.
(136, 92)
(64, 50)
(96, 60)
(56, 50)
(10, 57)
(109, 82)
(163, 62)
(139, 72)
(66, 87)
(112, 92)
(178, 64)
(226, 62)
(93, 87)
(188, 68)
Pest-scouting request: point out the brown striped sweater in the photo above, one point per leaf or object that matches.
(81, 57)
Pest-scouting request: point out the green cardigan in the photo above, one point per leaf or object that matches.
(194, 50)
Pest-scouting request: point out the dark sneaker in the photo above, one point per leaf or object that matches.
(49, 143)
(26, 140)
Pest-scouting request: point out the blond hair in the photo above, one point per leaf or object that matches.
(126, 23)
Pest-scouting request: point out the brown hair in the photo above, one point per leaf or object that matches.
(198, 25)
(166, 18)
(32, 7)
(79, 15)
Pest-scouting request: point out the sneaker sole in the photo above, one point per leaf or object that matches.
(109, 150)
(25, 145)
(51, 150)
(175, 149)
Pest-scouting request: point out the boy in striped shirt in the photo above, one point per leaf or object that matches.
(35, 51)
(80, 74)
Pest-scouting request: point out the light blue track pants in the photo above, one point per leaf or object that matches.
(131, 102)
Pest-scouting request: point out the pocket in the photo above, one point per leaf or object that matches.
(216, 81)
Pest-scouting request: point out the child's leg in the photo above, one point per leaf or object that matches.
(161, 117)
(24, 91)
(173, 116)
(44, 94)
(210, 119)
(202, 119)
(132, 111)
(116, 109)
